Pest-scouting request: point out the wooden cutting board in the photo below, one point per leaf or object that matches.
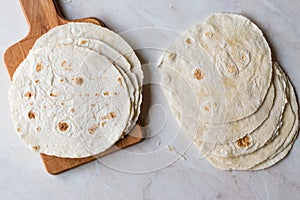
(42, 15)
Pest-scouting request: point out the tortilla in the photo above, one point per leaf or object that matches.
(283, 151)
(261, 135)
(69, 101)
(285, 135)
(92, 31)
(120, 63)
(226, 61)
(211, 132)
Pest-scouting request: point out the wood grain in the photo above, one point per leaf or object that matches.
(41, 16)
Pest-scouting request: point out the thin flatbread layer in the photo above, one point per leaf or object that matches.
(121, 64)
(283, 151)
(245, 162)
(227, 62)
(92, 31)
(261, 135)
(205, 132)
(68, 101)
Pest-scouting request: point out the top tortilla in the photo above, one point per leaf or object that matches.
(226, 63)
(68, 101)
(91, 31)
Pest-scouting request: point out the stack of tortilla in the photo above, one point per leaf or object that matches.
(77, 92)
(238, 106)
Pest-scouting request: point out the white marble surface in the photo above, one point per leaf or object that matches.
(152, 169)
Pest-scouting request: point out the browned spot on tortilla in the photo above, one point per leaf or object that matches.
(120, 81)
(64, 63)
(111, 115)
(106, 93)
(72, 110)
(45, 107)
(244, 142)
(62, 103)
(97, 94)
(63, 126)
(188, 41)
(66, 66)
(28, 94)
(115, 93)
(92, 129)
(61, 80)
(231, 68)
(39, 67)
(206, 108)
(87, 94)
(83, 42)
(93, 105)
(38, 129)
(31, 115)
(172, 56)
(198, 74)
(78, 81)
(54, 95)
(19, 129)
(36, 81)
(208, 34)
(30, 103)
(103, 123)
(36, 148)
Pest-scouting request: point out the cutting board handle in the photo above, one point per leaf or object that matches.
(40, 14)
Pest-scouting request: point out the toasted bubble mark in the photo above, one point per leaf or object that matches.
(120, 81)
(244, 142)
(28, 94)
(92, 129)
(103, 123)
(207, 108)
(188, 41)
(36, 148)
(39, 67)
(208, 34)
(66, 66)
(111, 115)
(97, 94)
(53, 95)
(231, 68)
(38, 129)
(63, 126)
(36, 81)
(19, 129)
(198, 74)
(106, 93)
(78, 80)
(83, 42)
(62, 103)
(172, 56)
(31, 115)
(72, 110)
(64, 63)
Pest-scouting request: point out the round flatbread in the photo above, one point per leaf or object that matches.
(69, 101)
(262, 134)
(115, 41)
(226, 62)
(285, 135)
(283, 151)
(121, 64)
